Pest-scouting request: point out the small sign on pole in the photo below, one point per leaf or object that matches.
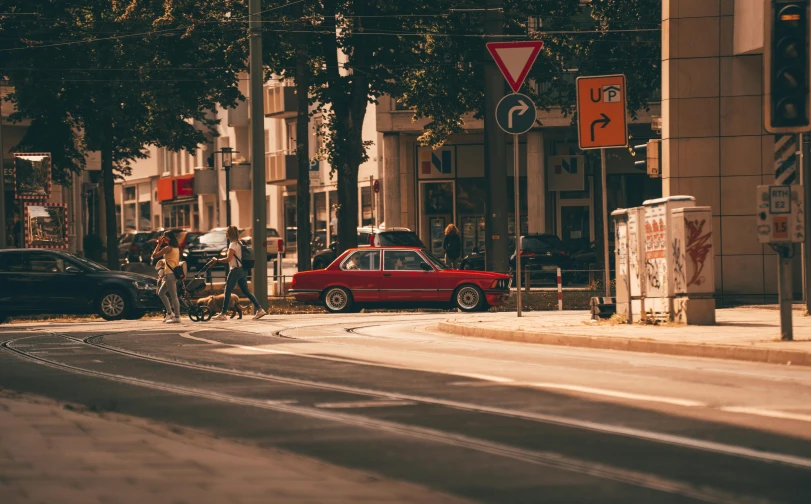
(515, 114)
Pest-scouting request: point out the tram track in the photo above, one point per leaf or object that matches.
(18, 347)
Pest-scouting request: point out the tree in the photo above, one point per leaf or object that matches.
(117, 76)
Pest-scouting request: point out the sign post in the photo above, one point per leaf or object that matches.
(516, 114)
(602, 125)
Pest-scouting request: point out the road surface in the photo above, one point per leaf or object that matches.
(485, 421)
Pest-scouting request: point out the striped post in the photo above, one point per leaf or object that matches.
(786, 155)
(560, 291)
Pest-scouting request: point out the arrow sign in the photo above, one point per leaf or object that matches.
(521, 108)
(515, 113)
(605, 120)
(514, 59)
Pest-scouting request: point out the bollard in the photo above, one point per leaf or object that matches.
(560, 291)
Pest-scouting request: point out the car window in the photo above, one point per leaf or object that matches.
(44, 262)
(273, 233)
(126, 238)
(534, 244)
(11, 262)
(402, 260)
(215, 238)
(363, 238)
(398, 239)
(438, 264)
(362, 260)
(93, 266)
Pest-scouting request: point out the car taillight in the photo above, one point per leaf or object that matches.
(524, 253)
(372, 240)
(293, 282)
(281, 245)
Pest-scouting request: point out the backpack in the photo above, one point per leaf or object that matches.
(247, 257)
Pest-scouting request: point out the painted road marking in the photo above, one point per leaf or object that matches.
(497, 379)
(245, 348)
(363, 404)
(767, 413)
(617, 393)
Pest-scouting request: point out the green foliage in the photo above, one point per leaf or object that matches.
(130, 73)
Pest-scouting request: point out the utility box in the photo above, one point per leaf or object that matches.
(692, 272)
(659, 260)
(622, 286)
(636, 262)
(780, 214)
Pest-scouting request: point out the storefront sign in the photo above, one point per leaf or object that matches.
(566, 173)
(32, 176)
(166, 190)
(46, 225)
(184, 186)
(436, 164)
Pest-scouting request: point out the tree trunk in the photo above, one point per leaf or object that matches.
(303, 158)
(108, 183)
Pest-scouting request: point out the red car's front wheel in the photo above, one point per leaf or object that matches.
(469, 298)
(338, 300)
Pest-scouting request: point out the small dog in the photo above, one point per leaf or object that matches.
(214, 303)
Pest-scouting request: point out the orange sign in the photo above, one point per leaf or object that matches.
(601, 112)
(780, 230)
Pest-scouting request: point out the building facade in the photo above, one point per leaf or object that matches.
(714, 143)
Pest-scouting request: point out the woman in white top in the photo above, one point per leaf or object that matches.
(236, 275)
(168, 248)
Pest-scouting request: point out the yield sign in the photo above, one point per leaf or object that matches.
(514, 59)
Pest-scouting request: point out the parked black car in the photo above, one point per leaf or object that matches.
(541, 254)
(50, 282)
(204, 248)
(391, 237)
(133, 246)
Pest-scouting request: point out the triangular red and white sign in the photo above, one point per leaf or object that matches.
(514, 59)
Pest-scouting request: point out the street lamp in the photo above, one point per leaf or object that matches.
(227, 154)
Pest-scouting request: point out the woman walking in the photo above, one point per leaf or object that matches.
(168, 248)
(453, 246)
(236, 275)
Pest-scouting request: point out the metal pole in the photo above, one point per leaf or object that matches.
(258, 186)
(805, 180)
(607, 276)
(372, 197)
(784, 289)
(227, 195)
(3, 234)
(517, 194)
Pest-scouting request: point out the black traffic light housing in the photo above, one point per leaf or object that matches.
(786, 68)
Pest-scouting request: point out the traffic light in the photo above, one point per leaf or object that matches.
(786, 69)
(651, 154)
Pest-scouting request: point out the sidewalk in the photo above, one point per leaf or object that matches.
(51, 454)
(750, 334)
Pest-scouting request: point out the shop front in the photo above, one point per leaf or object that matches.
(179, 205)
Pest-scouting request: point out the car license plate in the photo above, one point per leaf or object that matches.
(549, 268)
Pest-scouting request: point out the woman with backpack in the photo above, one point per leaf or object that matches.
(236, 274)
(169, 249)
(453, 246)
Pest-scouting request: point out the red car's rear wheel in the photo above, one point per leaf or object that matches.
(338, 300)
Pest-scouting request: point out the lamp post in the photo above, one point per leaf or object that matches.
(227, 154)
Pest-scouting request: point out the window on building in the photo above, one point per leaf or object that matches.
(367, 206)
(144, 215)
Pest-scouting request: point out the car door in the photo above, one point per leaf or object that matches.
(56, 284)
(407, 277)
(360, 271)
(12, 276)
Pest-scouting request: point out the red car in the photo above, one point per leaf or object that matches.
(398, 276)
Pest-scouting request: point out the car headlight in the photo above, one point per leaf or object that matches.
(143, 285)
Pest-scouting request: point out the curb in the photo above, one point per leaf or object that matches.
(740, 353)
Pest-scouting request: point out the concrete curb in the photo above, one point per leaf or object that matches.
(741, 353)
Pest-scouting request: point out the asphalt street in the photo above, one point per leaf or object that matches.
(483, 420)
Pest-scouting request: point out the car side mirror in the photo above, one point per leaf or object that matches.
(72, 269)
(426, 267)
